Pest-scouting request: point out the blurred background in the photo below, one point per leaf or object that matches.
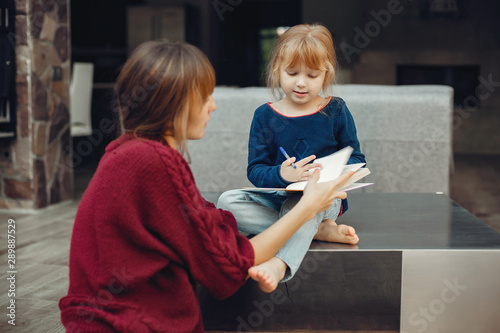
(455, 43)
(377, 42)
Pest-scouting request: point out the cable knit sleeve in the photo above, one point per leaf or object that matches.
(204, 238)
(227, 217)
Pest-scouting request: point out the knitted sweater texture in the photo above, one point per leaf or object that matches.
(143, 237)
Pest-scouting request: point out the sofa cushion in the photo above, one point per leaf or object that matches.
(404, 131)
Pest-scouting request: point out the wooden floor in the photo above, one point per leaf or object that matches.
(42, 245)
(42, 242)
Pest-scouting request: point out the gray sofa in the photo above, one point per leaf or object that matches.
(405, 133)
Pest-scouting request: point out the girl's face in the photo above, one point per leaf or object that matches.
(198, 118)
(300, 84)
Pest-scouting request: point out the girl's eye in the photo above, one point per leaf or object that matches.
(292, 73)
(313, 76)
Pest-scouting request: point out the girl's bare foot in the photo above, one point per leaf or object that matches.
(329, 231)
(268, 274)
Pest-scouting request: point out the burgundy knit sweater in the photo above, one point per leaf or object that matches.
(143, 235)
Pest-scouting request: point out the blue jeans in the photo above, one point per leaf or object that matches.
(257, 211)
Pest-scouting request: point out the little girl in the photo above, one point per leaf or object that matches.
(307, 126)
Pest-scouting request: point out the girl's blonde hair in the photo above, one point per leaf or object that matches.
(310, 44)
(158, 85)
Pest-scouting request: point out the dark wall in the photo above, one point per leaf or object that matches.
(99, 35)
(236, 49)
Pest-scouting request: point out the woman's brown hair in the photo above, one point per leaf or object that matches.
(158, 85)
(310, 44)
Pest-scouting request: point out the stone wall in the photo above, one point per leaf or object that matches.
(34, 168)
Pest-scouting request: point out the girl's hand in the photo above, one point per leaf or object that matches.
(301, 172)
(320, 196)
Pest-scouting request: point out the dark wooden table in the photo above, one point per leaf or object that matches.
(423, 263)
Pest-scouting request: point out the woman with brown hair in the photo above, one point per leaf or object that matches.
(143, 234)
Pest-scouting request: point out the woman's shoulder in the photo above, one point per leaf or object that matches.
(128, 143)
(145, 161)
(142, 152)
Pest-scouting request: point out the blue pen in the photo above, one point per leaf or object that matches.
(287, 157)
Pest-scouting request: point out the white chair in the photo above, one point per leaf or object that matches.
(80, 93)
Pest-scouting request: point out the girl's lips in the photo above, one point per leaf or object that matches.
(300, 93)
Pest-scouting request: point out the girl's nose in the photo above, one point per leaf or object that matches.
(300, 81)
(213, 105)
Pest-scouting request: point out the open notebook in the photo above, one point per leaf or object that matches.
(333, 166)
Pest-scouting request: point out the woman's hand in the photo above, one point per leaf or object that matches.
(320, 196)
(316, 198)
(301, 172)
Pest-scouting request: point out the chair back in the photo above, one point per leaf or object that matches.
(81, 98)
